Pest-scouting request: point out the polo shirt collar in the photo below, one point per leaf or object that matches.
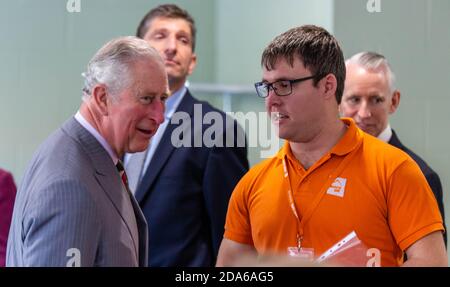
(351, 140)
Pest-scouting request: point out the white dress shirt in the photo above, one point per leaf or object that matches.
(386, 134)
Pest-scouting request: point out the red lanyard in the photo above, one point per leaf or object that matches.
(300, 223)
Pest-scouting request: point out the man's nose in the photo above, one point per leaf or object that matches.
(171, 45)
(364, 110)
(157, 111)
(272, 98)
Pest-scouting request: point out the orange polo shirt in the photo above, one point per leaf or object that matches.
(362, 185)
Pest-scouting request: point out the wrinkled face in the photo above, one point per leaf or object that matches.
(134, 115)
(296, 115)
(368, 99)
(173, 39)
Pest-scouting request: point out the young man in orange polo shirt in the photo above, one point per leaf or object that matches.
(330, 178)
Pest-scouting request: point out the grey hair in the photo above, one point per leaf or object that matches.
(111, 64)
(374, 62)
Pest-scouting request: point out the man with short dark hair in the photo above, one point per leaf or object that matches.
(74, 207)
(331, 180)
(370, 97)
(184, 190)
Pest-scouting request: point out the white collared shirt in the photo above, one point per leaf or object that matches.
(83, 122)
(386, 134)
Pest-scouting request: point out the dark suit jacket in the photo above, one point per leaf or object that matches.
(185, 191)
(431, 176)
(7, 197)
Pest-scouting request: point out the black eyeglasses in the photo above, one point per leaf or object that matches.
(281, 88)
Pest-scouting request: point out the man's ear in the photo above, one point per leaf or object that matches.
(100, 99)
(192, 64)
(329, 86)
(395, 101)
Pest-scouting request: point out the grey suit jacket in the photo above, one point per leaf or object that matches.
(72, 208)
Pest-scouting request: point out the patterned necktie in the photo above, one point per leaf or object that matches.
(122, 173)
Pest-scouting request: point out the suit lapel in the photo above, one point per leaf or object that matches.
(164, 150)
(143, 233)
(395, 141)
(106, 173)
(121, 200)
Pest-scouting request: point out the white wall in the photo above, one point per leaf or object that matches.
(244, 28)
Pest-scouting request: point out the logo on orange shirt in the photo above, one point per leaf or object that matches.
(337, 188)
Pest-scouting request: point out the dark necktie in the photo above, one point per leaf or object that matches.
(122, 173)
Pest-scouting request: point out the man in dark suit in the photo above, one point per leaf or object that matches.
(7, 196)
(370, 98)
(183, 181)
(74, 207)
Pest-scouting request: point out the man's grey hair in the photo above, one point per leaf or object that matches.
(374, 62)
(111, 64)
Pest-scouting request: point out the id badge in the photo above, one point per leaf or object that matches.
(303, 253)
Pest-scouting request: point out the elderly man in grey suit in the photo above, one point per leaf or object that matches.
(74, 207)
